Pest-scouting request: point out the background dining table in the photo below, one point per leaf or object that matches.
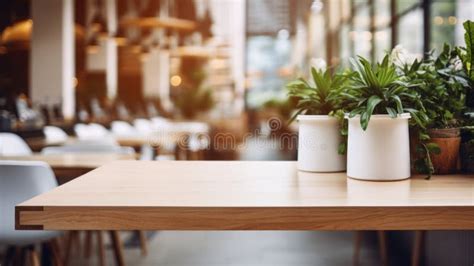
(67, 166)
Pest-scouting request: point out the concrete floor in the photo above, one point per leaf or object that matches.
(249, 248)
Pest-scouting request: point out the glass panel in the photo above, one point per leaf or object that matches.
(410, 31)
(382, 43)
(382, 13)
(361, 35)
(266, 57)
(345, 47)
(443, 23)
(403, 5)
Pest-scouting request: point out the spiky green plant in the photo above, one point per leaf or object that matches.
(322, 98)
(379, 89)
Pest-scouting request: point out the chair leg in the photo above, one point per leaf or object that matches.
(69, 244)
(418, 242)
(118, 248)
(88, 244)
(18, 259)
(101, 247)
(9, 256)
(55, 252)
(357, 247)
(33, 257)
(143, 242)
(383, 247)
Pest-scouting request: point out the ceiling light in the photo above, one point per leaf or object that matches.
(120, 37)
(93, 45)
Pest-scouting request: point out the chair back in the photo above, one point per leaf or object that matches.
(13, 145)
(144, 126)
(91, 131)
(54, 134)
(20, 181)
(122, 128)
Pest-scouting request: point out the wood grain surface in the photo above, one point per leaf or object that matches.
(206, 195)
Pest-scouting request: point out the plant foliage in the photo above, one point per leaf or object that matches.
(467, 57)
(194, 101)
(380, 89)
(322, 98)
(442, 87)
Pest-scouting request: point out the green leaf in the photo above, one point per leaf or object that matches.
(342, 148)
(295, 115)
(399, 104)
(373, 101)
(364, 120)
(433, 148)
(469, 38)
(391, 112)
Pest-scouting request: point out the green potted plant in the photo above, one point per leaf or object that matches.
(191, 102)
(319, 103)
(467, 58)
(467, 133)
(441, 86)
(381, 102)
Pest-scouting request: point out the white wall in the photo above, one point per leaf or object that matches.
(229, 23)
(52, 54)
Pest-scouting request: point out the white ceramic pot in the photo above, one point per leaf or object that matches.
(318, 143)
(382, 152)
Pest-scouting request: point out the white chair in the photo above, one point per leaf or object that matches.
(20, 181)
(13, 145)
(122, 128)
(54, 134)
(161, 123)
(81, 131)
(99, 130)
(144, 126)
(91, 131)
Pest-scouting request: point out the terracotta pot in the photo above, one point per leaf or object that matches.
(449, 141)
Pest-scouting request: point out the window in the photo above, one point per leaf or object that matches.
(410, 31)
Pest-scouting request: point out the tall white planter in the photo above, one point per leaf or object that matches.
(382, 152)
(318, 143)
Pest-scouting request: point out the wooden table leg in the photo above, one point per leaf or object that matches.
(18, 259)
(381, 235)
(118, 250)
(9, 256)
(418, 242)
(55, 251)
(33, 257)
(357, 247)
(101, 247)
(88, 244)
(143, 242)
(69, 246)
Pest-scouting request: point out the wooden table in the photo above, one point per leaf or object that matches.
(206, 195)
(71, 165)
(37, 144)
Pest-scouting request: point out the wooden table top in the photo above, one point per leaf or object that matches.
(89, 161)
(223, 195)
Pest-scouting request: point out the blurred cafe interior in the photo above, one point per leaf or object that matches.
(86, 83)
